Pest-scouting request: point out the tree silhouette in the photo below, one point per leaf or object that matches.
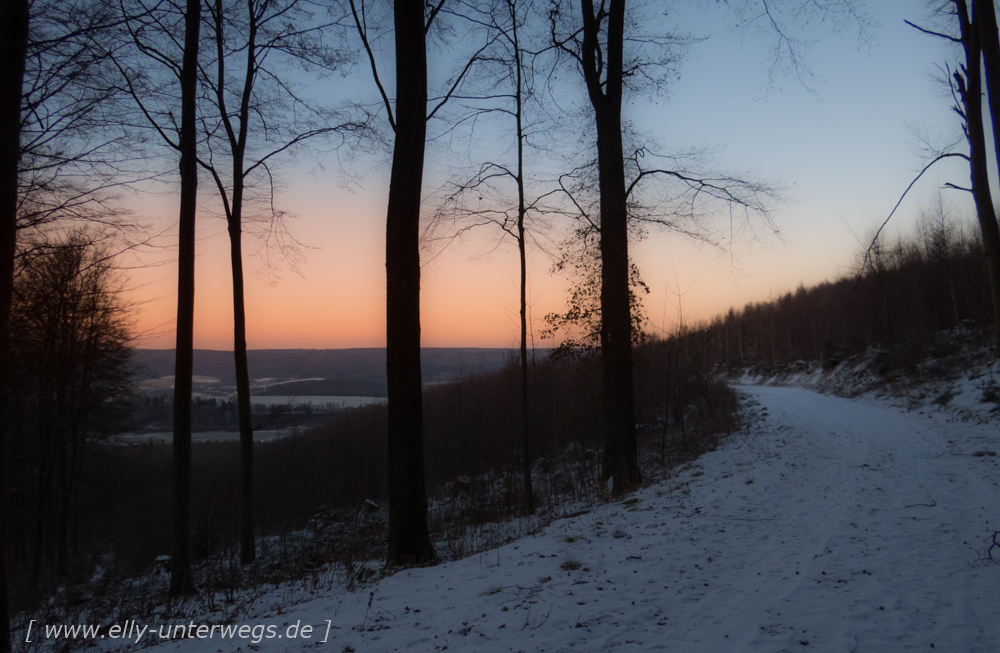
(598, 48)
(250, 119)
(984, 13)
(969, 87)
(615, 49)
(517, 54)
(157, 71)
(71, 339)
(579, 327)
(409, 538)
(67, 154)
(977, 34)
(14, 17)
(503, 86)
(75, 149)
(181, 577)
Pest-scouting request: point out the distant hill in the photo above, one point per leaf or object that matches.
(322, 371)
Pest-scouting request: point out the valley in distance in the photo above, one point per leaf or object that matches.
(292, 389)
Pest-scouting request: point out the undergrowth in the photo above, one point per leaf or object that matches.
(681, 414)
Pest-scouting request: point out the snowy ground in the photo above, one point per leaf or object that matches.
(833, 525)
(964, 385)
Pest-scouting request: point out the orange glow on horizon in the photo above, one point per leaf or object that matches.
(338, 301)
(337, 298)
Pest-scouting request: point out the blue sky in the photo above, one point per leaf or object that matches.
(844, 149)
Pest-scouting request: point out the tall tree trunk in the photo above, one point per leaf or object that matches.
(234, 215)
(529, 496)
(62, 512)
(63, 437)
(181, 578)
(77, 474)
(621, 454)
(79, 431)
(248, 549)
(984, 16)
(13, 51)
(248, 544)
(409, 539)
(43, 471)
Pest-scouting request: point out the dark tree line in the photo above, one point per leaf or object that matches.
(474, 463)
(72, 374)
(910, 290)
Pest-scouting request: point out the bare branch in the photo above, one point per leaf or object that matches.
(362, 26)
(927, 167)
(432, 15)
(458, 80)
(942, 35)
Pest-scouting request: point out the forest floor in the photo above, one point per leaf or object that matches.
(827, 524)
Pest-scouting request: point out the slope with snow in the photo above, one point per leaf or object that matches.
(833, 525)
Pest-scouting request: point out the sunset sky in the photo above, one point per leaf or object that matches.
(844, 149)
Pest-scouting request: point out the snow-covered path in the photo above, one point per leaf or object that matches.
(835, 526)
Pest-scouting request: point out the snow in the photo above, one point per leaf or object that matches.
(964, 384)
(830, 524)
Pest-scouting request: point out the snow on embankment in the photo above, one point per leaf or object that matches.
(964, 384)
(829, 525)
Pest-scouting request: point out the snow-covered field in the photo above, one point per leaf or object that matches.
(831, 525)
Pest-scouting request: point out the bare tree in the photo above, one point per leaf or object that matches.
(409, 538)
(181, 577)
(71, 338)
(787, 25)
(977, 35)
(969, 87)
(503, 86)
(597, 44)
(984, 13)
(67, 151)
(616, 325)
(75, 151)
(14, 18)
(256, 116)
(518, 54)
(156, 57)
(618, 50)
